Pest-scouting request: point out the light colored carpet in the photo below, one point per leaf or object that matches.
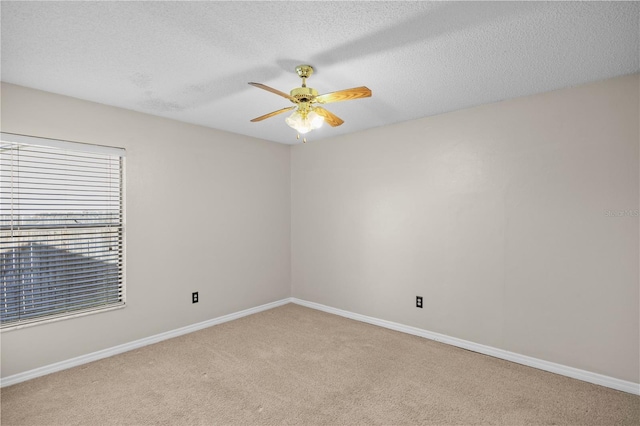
(295, 365)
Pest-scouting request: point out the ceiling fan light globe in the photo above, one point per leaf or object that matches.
(294, 120)
(315, 120)
(303, 124)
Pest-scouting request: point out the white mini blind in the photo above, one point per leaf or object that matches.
(61, 229)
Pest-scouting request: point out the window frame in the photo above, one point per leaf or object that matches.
(86, 148)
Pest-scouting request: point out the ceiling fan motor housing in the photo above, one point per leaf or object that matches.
(304, 94)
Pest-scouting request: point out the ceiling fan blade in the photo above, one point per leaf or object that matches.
(344, 95)
(277, 92)
(271, 114)
(330, 118)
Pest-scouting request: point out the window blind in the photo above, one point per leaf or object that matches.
(61, 229)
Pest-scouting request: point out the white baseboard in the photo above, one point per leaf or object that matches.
(575, 373)
(587, 376)
(94, 356)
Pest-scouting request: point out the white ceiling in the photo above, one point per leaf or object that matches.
(191, 61)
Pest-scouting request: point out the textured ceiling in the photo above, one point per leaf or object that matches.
(191, 61)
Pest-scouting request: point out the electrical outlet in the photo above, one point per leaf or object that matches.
(419, 302)
(194, 297)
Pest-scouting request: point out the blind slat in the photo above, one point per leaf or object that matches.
(53, 288)
(21, 271)
(54, 292)
(57, 308)
(60, 240)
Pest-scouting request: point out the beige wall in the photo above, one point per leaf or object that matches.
(207, 211)
(496, 215)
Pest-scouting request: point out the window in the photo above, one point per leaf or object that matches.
(61, 229)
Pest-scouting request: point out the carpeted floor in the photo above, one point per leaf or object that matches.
(297, 366)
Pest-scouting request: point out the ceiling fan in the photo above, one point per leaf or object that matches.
(307, 115)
